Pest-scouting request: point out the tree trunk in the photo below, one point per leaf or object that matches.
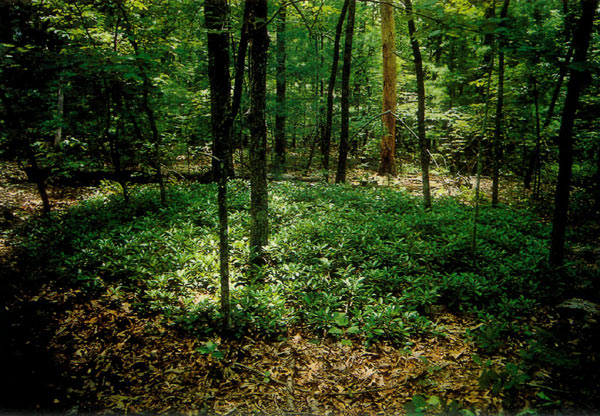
(581, 41)
(496, 144)
(424, 145)
(326, 139)
(259, 43)
(146, 90)
(534, 159)
(34, 173)
(340, 176)
(215, 14)
(280, 116)
(387, 164)
(489, 67)
(60, 110)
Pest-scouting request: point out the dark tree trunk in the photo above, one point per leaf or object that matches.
(534, 159)
(146, 90)
(34, 172)
(215, 14)
(60, 110)
(114, 93)
(326, 139)
(239, 69)
(340, 176)
(556, 93)
(280, 116)
(497, 141)
(259, 43)
(424, 145)
(581, 41)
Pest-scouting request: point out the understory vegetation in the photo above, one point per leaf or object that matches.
(356, 263)
(356, 266)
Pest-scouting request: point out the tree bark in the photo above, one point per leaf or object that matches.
(259, 43)
(34, 173)
(215, 15)
(326, 139)
(60, 110)
(340, 176)
(424, 144)
(581, 41)
(496, 143)
(387, 164)
(280, 116)
(146, 90)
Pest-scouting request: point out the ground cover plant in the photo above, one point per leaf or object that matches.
(352, 267)
(353, 262)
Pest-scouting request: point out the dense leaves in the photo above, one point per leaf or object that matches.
(361, 263)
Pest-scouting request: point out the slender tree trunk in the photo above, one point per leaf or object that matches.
(326, 139)
(146, 90)
(113, 94)
(534, 159)
(340, 176)
(215, 13)
(60, 110)
(581, 41)
(259, 43)
(489, 65)
(597, 200)
(280, 116)
(240, 62)
(34, 173)
(424, 145)
(498, 135)
(387, 164)
(556, 93)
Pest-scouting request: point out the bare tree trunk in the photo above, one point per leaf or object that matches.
(259, 43)
(60, 110)
(534, 159)
(387, 164)
(581, 41)
(326, 139)
(340, 176)
(216, 12)
(424, 145)
(146, 89)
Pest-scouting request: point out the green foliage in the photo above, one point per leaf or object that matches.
(504, 382)
(350, 263)
(211, 348)
(434, 405)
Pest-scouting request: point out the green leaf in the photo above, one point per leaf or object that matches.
(334, 330)
(341, 319)
(353, 330)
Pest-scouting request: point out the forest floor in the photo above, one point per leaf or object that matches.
(66, 351)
